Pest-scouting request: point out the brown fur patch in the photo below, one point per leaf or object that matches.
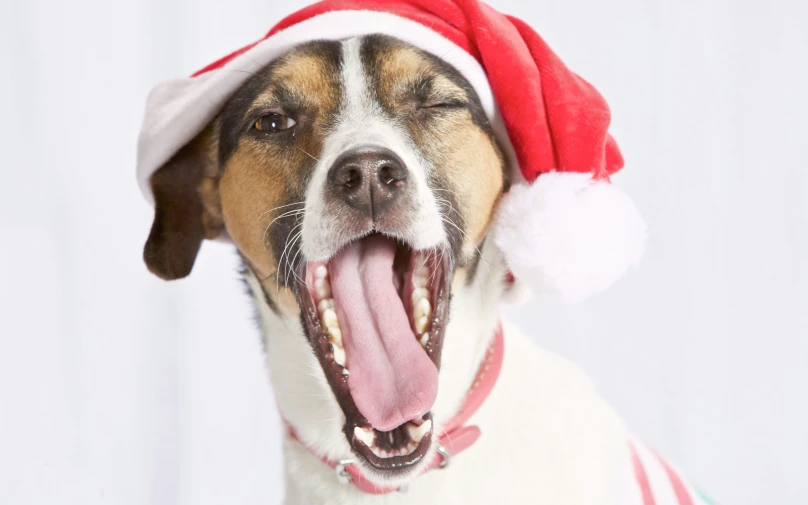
(305, 76)
(249, 192)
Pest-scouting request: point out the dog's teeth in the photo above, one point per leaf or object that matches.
(367, 436)
(424, 339)
(339, 354)
(420, 277)
(417, 432)
(346, 372)
(321, 272)
(323, 288)
(331, 323)
(383, 453)
(336, 334)
(418, 294)
(330, 317)
(325, 304)
(422, 309)
(420, 324)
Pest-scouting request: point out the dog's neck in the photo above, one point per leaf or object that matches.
(303, 395)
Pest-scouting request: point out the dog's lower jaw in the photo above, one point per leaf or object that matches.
(564, 446)
(303, 394)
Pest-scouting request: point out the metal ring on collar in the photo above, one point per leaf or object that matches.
(342, 470)
(447, 458)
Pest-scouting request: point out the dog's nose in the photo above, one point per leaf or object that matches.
(368, 179)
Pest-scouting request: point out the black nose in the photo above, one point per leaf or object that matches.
(368, 179)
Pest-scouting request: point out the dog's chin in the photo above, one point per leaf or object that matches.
(375, 315)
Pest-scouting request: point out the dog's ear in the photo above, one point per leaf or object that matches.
(186, 208)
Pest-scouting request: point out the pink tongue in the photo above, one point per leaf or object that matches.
(392, 379)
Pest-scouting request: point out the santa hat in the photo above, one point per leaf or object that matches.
(563, 228)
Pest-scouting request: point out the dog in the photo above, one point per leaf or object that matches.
(359, 180)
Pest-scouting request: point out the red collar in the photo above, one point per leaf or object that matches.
(455, 438)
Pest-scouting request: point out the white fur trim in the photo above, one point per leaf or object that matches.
(177, 110)
(568, 235)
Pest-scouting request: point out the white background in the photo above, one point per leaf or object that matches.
(118, 388)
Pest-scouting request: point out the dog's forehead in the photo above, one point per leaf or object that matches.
(318, 74)
(307, 75)
(398, 69)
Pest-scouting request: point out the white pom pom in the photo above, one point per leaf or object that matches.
(569, 235)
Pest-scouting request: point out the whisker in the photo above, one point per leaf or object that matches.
(315, 158)
(453, 210)
(280, 261)
(447, 52)
(446, 219)
(294, 271)
(256, 63)
(287, 213)
(291, 265)
(281, 207)
(449, 221)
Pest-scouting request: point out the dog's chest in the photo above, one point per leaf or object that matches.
(546, 439)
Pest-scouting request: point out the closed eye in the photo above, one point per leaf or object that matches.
(444, 104)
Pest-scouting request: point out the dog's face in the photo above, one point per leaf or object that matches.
(358, 180)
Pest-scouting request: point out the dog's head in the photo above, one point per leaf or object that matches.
(358, 180)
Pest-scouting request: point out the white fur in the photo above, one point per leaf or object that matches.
(568, 235)
(363, 123)
(546, 439)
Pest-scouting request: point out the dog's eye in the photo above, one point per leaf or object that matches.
(446, 104)
(272, 123)
(443, 104)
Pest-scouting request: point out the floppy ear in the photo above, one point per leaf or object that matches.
(186, 209)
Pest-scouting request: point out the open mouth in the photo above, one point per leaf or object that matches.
(376, 315)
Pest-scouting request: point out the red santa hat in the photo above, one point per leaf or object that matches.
(563, 228)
